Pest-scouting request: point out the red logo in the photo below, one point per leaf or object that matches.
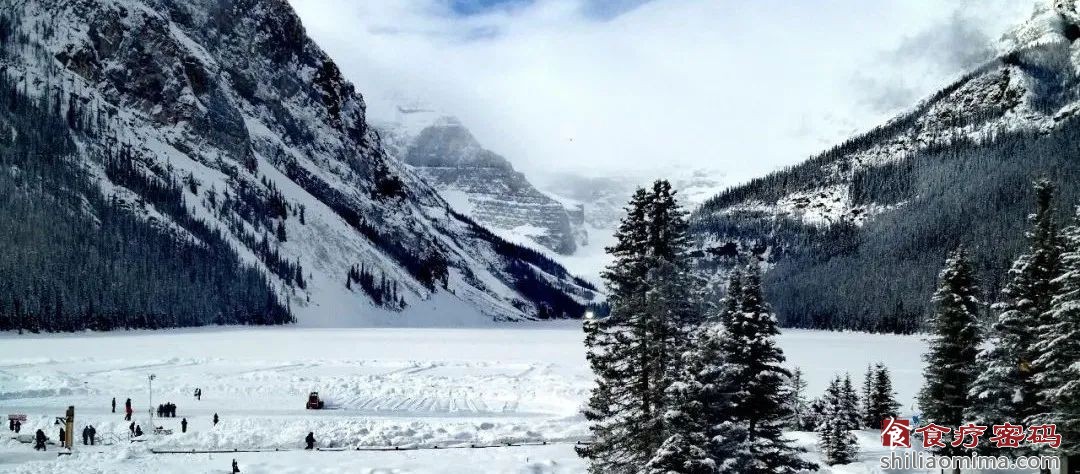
(1008, 435)
(896, 433)
(1044, 434)
(964, 431)
(932, 435)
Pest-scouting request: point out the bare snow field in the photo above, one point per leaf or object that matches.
(410, 388)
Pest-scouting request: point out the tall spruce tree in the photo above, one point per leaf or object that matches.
(655, 301)
(881, 403)
(614, 352)
(850, 400)
(673, 296)
(1058, 376)
(752, 351)
(954, 341)
(1005, 389)
(867, 390)
(838, 444)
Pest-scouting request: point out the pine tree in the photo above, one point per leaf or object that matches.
(954, 341)
(838, 444)
(730, 304)
(752, 351)
(850, 401)
(795, 394)
(706, 438)
(1058, 376)
(672, 298)
(1005, 389)
(867, 389)
(881, 404)
(633, 351)
(815, 415)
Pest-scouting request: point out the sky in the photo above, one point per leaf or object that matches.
(599, 87)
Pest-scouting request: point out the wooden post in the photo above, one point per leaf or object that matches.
(69, 423)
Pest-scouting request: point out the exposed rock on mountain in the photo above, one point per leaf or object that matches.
(480, 183)
(221, 120)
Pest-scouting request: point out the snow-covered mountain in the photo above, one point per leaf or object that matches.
(865, 225)
(603, 198)
(480, 183)
(229, 110)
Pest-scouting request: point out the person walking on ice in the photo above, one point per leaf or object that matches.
(183, 425)
(235, 467)
(215, 419)
(114, 404)
(310, 440)
(127, 410)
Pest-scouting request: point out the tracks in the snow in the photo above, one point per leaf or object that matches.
(518, 444)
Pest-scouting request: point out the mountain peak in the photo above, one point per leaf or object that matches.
(1050, 21)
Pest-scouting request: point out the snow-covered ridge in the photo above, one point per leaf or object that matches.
(233, 98)
(1030, 87)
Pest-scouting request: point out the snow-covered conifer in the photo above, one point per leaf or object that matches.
(1058, 375)
(1005, 388)
(850, 401)
(634, 352)
(750, 347)
(954, 342)
(795, 395)
(838, 444)
(705, 435)
(881, 404)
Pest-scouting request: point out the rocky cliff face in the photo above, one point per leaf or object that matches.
(482, 184)
(274, 150)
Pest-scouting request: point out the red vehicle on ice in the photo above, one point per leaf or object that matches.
(313, 402)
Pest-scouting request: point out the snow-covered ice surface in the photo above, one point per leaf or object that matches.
(383, 387)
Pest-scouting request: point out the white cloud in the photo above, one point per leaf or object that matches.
(743, 87)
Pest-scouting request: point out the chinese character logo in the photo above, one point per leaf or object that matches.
(896, 433)
(932, 435)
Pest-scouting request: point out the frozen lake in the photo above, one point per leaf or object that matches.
(383, 387)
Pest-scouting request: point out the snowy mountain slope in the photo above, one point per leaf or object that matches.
(271, 143)
(879, 210)
(478, 182)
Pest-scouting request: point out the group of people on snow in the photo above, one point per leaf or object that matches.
(167, 410)
(88, 435)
